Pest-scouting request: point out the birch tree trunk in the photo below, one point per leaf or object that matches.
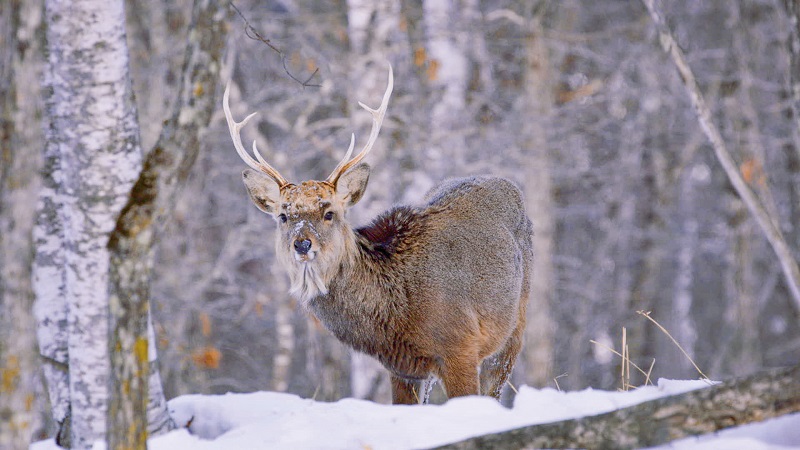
(137, 403)
(793, 151)
(19, 184)
(448, 76)
(93, 157)
(49, 286)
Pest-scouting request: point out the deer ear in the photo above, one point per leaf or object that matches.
(263, 190)
(352, 184)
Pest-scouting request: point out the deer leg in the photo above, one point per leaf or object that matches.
(405, 392)
(460, 377)
(496, 369)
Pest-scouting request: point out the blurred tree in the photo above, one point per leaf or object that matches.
(534, 108)
(20, 53)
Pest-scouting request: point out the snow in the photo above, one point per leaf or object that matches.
(272, 420)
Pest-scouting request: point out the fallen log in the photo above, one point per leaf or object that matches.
(756, 398)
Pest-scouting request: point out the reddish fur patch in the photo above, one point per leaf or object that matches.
(384, 236)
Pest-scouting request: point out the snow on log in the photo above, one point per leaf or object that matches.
(759, 397)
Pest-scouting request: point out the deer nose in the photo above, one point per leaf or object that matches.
(302, 246)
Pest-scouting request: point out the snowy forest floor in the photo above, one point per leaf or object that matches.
(270, 420)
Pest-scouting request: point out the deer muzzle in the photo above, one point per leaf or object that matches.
(302, 246)
(303, 252)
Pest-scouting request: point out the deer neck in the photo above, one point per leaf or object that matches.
(356, 306)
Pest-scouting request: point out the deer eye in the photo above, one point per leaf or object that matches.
(329, 215)
(282, 218)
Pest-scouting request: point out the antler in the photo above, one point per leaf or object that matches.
(235, 128)
(377, 119)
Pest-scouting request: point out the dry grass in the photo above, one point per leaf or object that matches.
(646, 314)
(508, 382)
(555, 380)
(627, 363)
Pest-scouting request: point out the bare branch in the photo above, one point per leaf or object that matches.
(253, 34)
(767, 223)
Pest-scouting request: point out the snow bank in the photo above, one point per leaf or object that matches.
(269, 420)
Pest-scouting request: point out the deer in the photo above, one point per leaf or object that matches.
(435, 291)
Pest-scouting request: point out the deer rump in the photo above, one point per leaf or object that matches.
(439, 290)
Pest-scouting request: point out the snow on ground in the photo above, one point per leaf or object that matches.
(270, 420)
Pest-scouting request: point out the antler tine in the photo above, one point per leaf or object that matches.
(344, 160)
(377, 120)
(235, 128)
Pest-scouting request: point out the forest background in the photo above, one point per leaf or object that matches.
(575, 101)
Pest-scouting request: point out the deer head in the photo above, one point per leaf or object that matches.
(313, 236)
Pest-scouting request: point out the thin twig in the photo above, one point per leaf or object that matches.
(253, 34)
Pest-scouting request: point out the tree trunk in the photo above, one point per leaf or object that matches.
(19, 183)
(447, 75)
(753, 399)
(793, 151)
(137, 403)
(681, 322)
(93, 158)
(537, 101)
(49, 286)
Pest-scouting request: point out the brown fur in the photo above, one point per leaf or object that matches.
(436, 290)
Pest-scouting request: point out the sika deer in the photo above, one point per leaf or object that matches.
(436, 290)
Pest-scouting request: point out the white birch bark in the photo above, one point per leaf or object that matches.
(49, 285)
(282, 362)
(49, 277)
(93, 134)
(446, 42)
